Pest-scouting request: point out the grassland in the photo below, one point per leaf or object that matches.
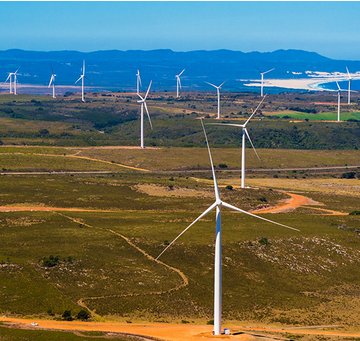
(106, 252)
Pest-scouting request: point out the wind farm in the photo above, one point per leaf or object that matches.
(229, 214)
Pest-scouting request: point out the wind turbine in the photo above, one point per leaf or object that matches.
(349, 76)
(217, 269)
(262, 79)
(339, 96)
(178, 83)
(10, 78)
(244, 132)
(82, 82)
(143, 104)
(138, 81)
(15, 77)
(52, 80)
(218, 96)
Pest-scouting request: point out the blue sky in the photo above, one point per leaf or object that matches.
(329, 28)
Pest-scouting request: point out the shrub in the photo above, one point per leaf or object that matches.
(223, 165)
(66, 316)
(348, 175)
(262, 199)
(83, 315)
(50, 261)
(263, 241)
(229, 187)
(354, 213)
(210, 322)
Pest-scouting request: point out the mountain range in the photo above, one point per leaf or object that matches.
(116, 70)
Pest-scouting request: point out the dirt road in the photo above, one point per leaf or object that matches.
(176, 332)
(294, 202)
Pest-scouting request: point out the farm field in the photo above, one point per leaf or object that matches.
(89, 241)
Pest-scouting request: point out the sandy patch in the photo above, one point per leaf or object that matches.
(162, 191)
(301, 83)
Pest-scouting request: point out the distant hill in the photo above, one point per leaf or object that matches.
(116, 69)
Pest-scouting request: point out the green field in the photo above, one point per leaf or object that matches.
(326, 116)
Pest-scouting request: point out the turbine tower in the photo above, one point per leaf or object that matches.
(82, 82)
(178, 83)
(9, 78)
(244, 132)
(218, 96)
(143, 104)
(217, 269)
(138, 81)
(15, 78)
(349, 76)
(262, 80)
(52, 81)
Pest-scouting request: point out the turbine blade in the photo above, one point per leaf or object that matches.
(140, 97)
(179, 82)
(197, 219)
(348, 73)
(147, 111)
(8, 77)
(257, 69)
(216, 188)
(79, 79)
(268, 71)
(211, 85)
(228, 124)
(147, 92)
(256, 216)
(338, 86)
(52, 72)
(247, 134)
(51, 79)
(254, 111)
(84, 68)
(181, 72)
(222, 84)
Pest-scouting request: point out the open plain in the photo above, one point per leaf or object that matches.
(85, 212)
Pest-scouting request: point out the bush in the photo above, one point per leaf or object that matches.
(51, 261)
(348, 175)
(354, 213)
(229, 187)
(66, 316)
(223, 165)
(262, 199)
(263, 241)
(210, 322)
(83, 315)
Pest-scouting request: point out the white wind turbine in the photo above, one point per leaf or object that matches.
(339, 96)
(143, 104)
(138, 81)
(244, 132)
(52, 81)
(349, 90)
(15, 78)
(262, 80)
(82, 82)
(178, 83)
(10, 80)
(217, 269)
(218, 96)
